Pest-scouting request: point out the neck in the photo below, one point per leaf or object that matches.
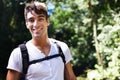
(41, 42)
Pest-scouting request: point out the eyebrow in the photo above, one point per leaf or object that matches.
(38, 16)
(41, 15)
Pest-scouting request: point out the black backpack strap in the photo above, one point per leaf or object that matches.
(61, 52)
(45, 58)
(25, 58)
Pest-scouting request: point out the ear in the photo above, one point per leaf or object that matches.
(48, 21)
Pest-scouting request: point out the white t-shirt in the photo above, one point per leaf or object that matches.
(52, 69)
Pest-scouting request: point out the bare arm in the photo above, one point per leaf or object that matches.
(12, 75)
(70, 72)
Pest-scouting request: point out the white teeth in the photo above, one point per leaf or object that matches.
(38, 28)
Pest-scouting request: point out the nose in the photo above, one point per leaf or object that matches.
(36, 24)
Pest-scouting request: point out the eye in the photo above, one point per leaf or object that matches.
(31, 20)
(40, 19)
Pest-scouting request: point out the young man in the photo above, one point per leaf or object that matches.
(38, 47)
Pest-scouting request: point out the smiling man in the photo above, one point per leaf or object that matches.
(40, 46)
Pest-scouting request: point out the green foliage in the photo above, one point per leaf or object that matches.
(109, 46)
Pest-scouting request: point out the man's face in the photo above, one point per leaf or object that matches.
(37, 24)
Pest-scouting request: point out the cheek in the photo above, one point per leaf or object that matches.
(27, 25)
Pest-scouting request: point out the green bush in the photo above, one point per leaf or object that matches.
(109, 48)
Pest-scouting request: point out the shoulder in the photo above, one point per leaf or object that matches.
(16, 51)
(65, 49)
(60, 43)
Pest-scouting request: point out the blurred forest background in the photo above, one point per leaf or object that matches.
(91, 28)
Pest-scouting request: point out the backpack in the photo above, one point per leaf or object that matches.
(26, 62)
